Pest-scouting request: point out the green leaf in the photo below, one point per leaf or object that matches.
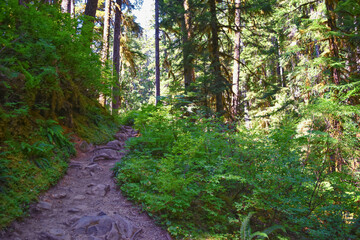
(258, 234)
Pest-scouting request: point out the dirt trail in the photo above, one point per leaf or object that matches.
(86, 204)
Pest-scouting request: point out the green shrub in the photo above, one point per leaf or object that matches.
(197, 176)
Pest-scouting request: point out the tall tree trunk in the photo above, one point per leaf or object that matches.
(91, 7)
(189, 73)
(334, 124)
(105, 42)
(116, 57)
(106, 31)
(72, 11)
(157, 51)
(67, 6)
(279, 68)
(88, 25)
(166, 65)
(334, 50)
(218, 81)
(236, 70)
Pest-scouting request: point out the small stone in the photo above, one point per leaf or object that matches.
(91, 184)
(101, 213)
(101, 190)
(74, 210)
(89, 192)
(57, 232)
(71, 221)
(59, 195)
(44, 206)
(84, 146)
(79, 197)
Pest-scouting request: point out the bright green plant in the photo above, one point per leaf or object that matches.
(55, 135)
(246, 233)
(196, 174)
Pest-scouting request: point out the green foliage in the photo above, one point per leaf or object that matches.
(50, 79)
(197, 175)
(245, 230)
(96, 126)
(56, 136)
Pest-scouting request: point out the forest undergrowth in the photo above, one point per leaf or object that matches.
(47, 98)
(203, 178)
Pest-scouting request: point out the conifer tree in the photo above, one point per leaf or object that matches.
(236, 67)
(116, 102)
(218, 85)
(106, 31)
(157, 53)
(188, 59)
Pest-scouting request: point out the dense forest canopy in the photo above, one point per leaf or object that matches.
(256, 120)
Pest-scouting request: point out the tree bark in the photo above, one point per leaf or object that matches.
(66, 6)
(279, 67)
(106, 31)
(189, 73)
(105, 42)
(157, 51)
(334, 50)
(90, 9)
(116, 58)
(218, 81)
(88, 25)
(236, 70)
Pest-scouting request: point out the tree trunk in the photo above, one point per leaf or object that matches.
(157, 51)
(236, 70)
(189, 74)
(334, 50)
(66, 6)
(218, 81)
(116, 57)
(106, 31)
(88, 25)
(279, 68)
(90, 9)
(105, 42)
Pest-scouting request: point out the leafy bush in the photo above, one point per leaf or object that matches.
(50, 79)
(199, 176)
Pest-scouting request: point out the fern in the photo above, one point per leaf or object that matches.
(245, 230)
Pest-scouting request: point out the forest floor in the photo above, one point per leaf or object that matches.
(86, 204)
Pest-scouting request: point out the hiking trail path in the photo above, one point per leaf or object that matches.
(86, 203)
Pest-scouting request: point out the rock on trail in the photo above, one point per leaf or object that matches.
(86, 204)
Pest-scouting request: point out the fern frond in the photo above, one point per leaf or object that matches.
(245, 225)
(259, 234)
